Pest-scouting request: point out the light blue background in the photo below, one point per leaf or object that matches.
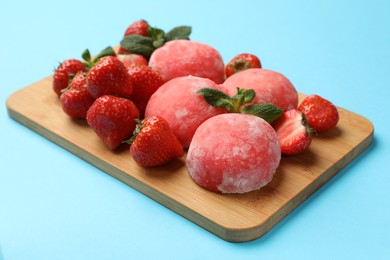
(53, 205)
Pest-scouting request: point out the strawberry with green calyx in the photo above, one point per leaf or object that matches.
(294, 132)
(146, 45)
(237, 103)
(64, 72)
(89, 62)
(321, 114)
(109, 77)
(154, 143)
(75, 99)
(242, 62)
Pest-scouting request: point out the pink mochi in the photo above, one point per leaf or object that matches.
(270, 87)
(233, 153)
(177, 102)
(184, 57)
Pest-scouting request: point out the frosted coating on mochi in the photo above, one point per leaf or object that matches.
(177, 102)
(183, 57)
(270, 87)
(233, 153)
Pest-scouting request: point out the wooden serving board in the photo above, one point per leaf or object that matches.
(236, 218)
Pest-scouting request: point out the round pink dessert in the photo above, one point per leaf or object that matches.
(270, 87)
(177, 102)
(184, 57)
(233, 153)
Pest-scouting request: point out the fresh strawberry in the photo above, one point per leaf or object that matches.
(139, 27)
(145, 82)
(242, 62)
(132, 59)
(154, 143)
(77, 100)
(321, 114)
(64, 72)
(109, 77)
(293, 132)
(112, 118)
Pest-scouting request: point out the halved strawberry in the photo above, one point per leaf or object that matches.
(321, 114)
(154, 143)
(293, 131)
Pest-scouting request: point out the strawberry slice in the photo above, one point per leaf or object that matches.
(294, 133)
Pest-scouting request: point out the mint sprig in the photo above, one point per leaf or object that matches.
(146, 45)
(235, 104)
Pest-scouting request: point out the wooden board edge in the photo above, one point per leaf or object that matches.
(250, 234)
(231, 235)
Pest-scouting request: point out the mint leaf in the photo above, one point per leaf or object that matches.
(108, 51)
(86, 55)
(216, 98)
(268, 112)
(179, 33)
(244, 96)
(156, 33)
(138, 44)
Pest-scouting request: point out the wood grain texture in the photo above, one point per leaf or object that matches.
(235, 218)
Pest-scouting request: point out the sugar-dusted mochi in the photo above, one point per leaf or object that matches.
(270, 87)
(184, 57)
(233, 153)
(177, 102)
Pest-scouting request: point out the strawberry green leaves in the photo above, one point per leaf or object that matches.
(89, 62)
(235, 104)
(145, 45)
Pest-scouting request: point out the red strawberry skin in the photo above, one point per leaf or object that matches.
(139, 27)
(62, 74)
(242, 62)
(112, 118)
(77, 100)
(155, 144)
(321, 114)
(145, 82)
(109, 77)
(294, 133)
